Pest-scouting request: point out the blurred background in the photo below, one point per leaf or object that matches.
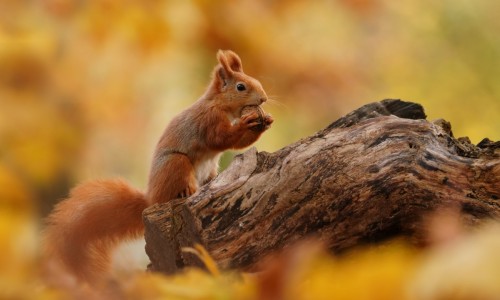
(86, 87)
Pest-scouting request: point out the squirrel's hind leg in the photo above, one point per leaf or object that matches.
(177, 179)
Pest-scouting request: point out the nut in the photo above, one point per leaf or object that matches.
(261, 119)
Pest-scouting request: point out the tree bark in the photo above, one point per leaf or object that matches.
(370, 176)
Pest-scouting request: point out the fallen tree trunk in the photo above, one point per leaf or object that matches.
(370, 176)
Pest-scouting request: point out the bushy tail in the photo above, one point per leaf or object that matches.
(83, 229)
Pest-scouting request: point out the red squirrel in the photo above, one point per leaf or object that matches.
(83, 229)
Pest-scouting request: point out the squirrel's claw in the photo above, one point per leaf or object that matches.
(188, 191)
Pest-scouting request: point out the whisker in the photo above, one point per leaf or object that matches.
(277, 103)
(274, 97)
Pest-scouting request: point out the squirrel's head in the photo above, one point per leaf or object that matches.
(233, 87)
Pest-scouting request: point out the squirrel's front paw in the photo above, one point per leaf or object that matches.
(268, 120)
(250, 120)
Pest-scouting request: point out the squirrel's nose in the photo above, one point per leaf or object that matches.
(263, 99)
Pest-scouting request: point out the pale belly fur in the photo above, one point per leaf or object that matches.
(206, 166)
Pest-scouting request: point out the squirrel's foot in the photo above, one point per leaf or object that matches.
(188, 191)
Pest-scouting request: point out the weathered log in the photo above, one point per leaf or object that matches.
(370, 176)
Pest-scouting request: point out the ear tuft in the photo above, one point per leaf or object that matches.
(230, 61)
(219, 77)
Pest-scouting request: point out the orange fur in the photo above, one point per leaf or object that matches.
(83, 229)
(96, 216)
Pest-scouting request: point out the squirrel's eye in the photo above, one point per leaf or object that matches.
(241, 87)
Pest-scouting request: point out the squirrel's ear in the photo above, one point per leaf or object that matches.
(220, 76)
(230, 61)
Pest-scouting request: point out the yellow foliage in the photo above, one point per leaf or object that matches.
(15, 200)
(86, 88)
(373, 273)
(205, 257)
(190, 285)
(19, 277)
(466, 269)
